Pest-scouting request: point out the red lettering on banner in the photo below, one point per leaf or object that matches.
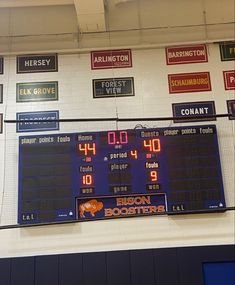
(186, 54)
(229, 79)
(189, 82)
(111, 59)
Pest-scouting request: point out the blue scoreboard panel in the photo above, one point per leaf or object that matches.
(180, 163)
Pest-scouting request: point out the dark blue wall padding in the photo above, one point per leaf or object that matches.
(217, 273)
(5, 271)
(142, 267)
(94, 268)
(192, 257)
(166, 266)
(118, 268)
(188, 259)
(70, 269)
(22, 271)
(46, 270)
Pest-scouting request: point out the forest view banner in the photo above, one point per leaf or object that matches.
(113, 87)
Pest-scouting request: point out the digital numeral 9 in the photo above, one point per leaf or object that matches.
(153, 175)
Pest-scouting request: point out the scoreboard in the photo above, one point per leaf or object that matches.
(78, 176)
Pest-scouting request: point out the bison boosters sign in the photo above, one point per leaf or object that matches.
(111, 207)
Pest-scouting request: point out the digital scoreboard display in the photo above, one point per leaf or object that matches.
(77, 176)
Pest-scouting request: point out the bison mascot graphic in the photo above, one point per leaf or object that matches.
(91, 207)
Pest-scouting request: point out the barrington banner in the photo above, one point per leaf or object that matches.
(186, 54)
(125, 206)
(189, 82)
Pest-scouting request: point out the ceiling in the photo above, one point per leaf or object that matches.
(82, 25)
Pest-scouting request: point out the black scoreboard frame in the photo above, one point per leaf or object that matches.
(119, 173)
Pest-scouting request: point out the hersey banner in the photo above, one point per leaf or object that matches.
(37, 63)
(229, 79)
(189, 82)
(123, 206)
(111, 59)
(186, 54)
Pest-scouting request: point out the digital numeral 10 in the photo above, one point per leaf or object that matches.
(87, 179)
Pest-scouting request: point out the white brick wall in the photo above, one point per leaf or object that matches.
(152, 99)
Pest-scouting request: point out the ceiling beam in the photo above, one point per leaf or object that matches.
(90, 15)
(31, 3)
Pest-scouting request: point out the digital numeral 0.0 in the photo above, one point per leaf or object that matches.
(117, 137)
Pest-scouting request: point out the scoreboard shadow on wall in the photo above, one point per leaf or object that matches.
(119, 173)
